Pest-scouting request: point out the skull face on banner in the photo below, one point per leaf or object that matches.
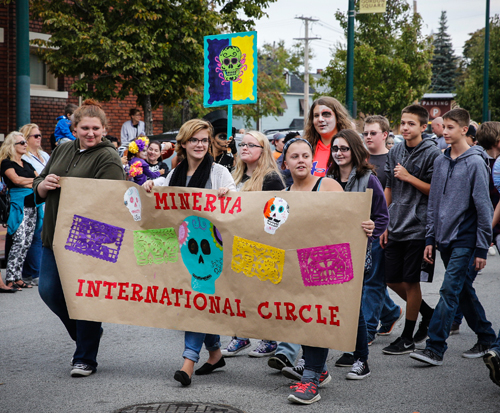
(230, 61)
(132, 201)
(275, 214)
(201, 250)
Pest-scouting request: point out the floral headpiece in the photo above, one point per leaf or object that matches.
(138, 145)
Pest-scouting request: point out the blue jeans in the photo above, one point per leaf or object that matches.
(457, 287)
(377, 304)
(33, 261)
(496, 345)
(86, 334)
(315, 361)
(194, 341)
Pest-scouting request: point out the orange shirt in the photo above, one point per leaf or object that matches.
(276, 155)
(320, 159)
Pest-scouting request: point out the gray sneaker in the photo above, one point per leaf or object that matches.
(427, 356)
(294, 373)
(479, 350)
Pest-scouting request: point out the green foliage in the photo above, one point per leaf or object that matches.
(151, 48)
(470, 84)
(391, 61)
(444, 63)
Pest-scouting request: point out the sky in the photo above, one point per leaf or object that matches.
(464, 17)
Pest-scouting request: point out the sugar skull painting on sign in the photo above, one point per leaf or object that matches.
(275, 214)
(132, 201)
(201, 251)
(231, 64)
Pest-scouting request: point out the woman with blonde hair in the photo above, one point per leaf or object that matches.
(38, 159)
(196, 170)
(256, 170)
(24, 217)
(327, 117)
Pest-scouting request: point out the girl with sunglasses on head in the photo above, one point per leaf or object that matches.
(24, 217)
(256, 170)
(196, 170)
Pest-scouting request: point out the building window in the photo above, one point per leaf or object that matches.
(301, 107)
(38, 71)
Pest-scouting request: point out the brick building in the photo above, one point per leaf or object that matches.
(48, 95)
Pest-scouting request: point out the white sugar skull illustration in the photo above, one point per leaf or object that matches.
(275, 214)
(201, 251)
(132, 201)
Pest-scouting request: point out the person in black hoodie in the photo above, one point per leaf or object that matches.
(92, 156)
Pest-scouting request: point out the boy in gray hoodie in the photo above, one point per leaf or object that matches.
(409, 169)
(459, 223)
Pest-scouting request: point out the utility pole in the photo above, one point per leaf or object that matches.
(22, 63)
(349, 89)
(306, 63)
(486, 63)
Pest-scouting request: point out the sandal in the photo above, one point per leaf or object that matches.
(23, 284)
(13, 286)
(8, 290)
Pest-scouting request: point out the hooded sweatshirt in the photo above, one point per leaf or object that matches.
(459, 213)
(67, 160)
(408, 210)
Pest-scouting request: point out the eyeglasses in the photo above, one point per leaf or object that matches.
(36, 136)
(194, 141)
(21, 143)
(335, 149)
(250, 145)
(222, 136)
(372, 133)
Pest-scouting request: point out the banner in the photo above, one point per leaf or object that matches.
(372, 6)
(284, 266)
(230, 69)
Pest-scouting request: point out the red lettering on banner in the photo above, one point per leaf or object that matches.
(94, 286)
(150, 295)
(121, 291)
(161, 199)
(278, 315)
(259, 310)
(237, 204)
(136, 292)
(184, 201)
(301, 313)
(227, 306)
(196, 196)
(80, 288)
(209, 206)
(164, 295)
(334, 310)
(177, 291)
(222, 206)
(320, 320)
(290, 311)
(238, 310)
(188, 297)
(105, 284)
(195, 302)
(214, 304)
(172, 195)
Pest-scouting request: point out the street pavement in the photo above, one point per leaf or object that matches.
(137, 364)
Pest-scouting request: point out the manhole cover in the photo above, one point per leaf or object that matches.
(178, 407)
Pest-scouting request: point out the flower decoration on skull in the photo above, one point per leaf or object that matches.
(132, 201)
(231, 64)
(275, 214)
(201, 251)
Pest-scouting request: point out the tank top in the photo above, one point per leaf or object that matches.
(315, 188)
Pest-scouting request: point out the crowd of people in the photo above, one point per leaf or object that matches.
(428, 192)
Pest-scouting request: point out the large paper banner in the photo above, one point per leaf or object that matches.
(230, 69)
(284, 266)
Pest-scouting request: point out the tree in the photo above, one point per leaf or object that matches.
(151, 48)
(274, 60)
(444, 63)
(391, 61)
(470, 84)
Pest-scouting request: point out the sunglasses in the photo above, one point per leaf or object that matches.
(21, 143)
(335, 149)
(372, 133)
(36, 136)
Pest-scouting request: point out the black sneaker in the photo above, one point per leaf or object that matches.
(346, 360)
(427, 356)
(279, 362)
(359, 371)
(492, 361)
(304, 393)
(421, 334)
(81, 370)
(294, 373)
(401, 346)
(479, 350)
(455, 328)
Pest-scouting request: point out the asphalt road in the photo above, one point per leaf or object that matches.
(137, 364)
